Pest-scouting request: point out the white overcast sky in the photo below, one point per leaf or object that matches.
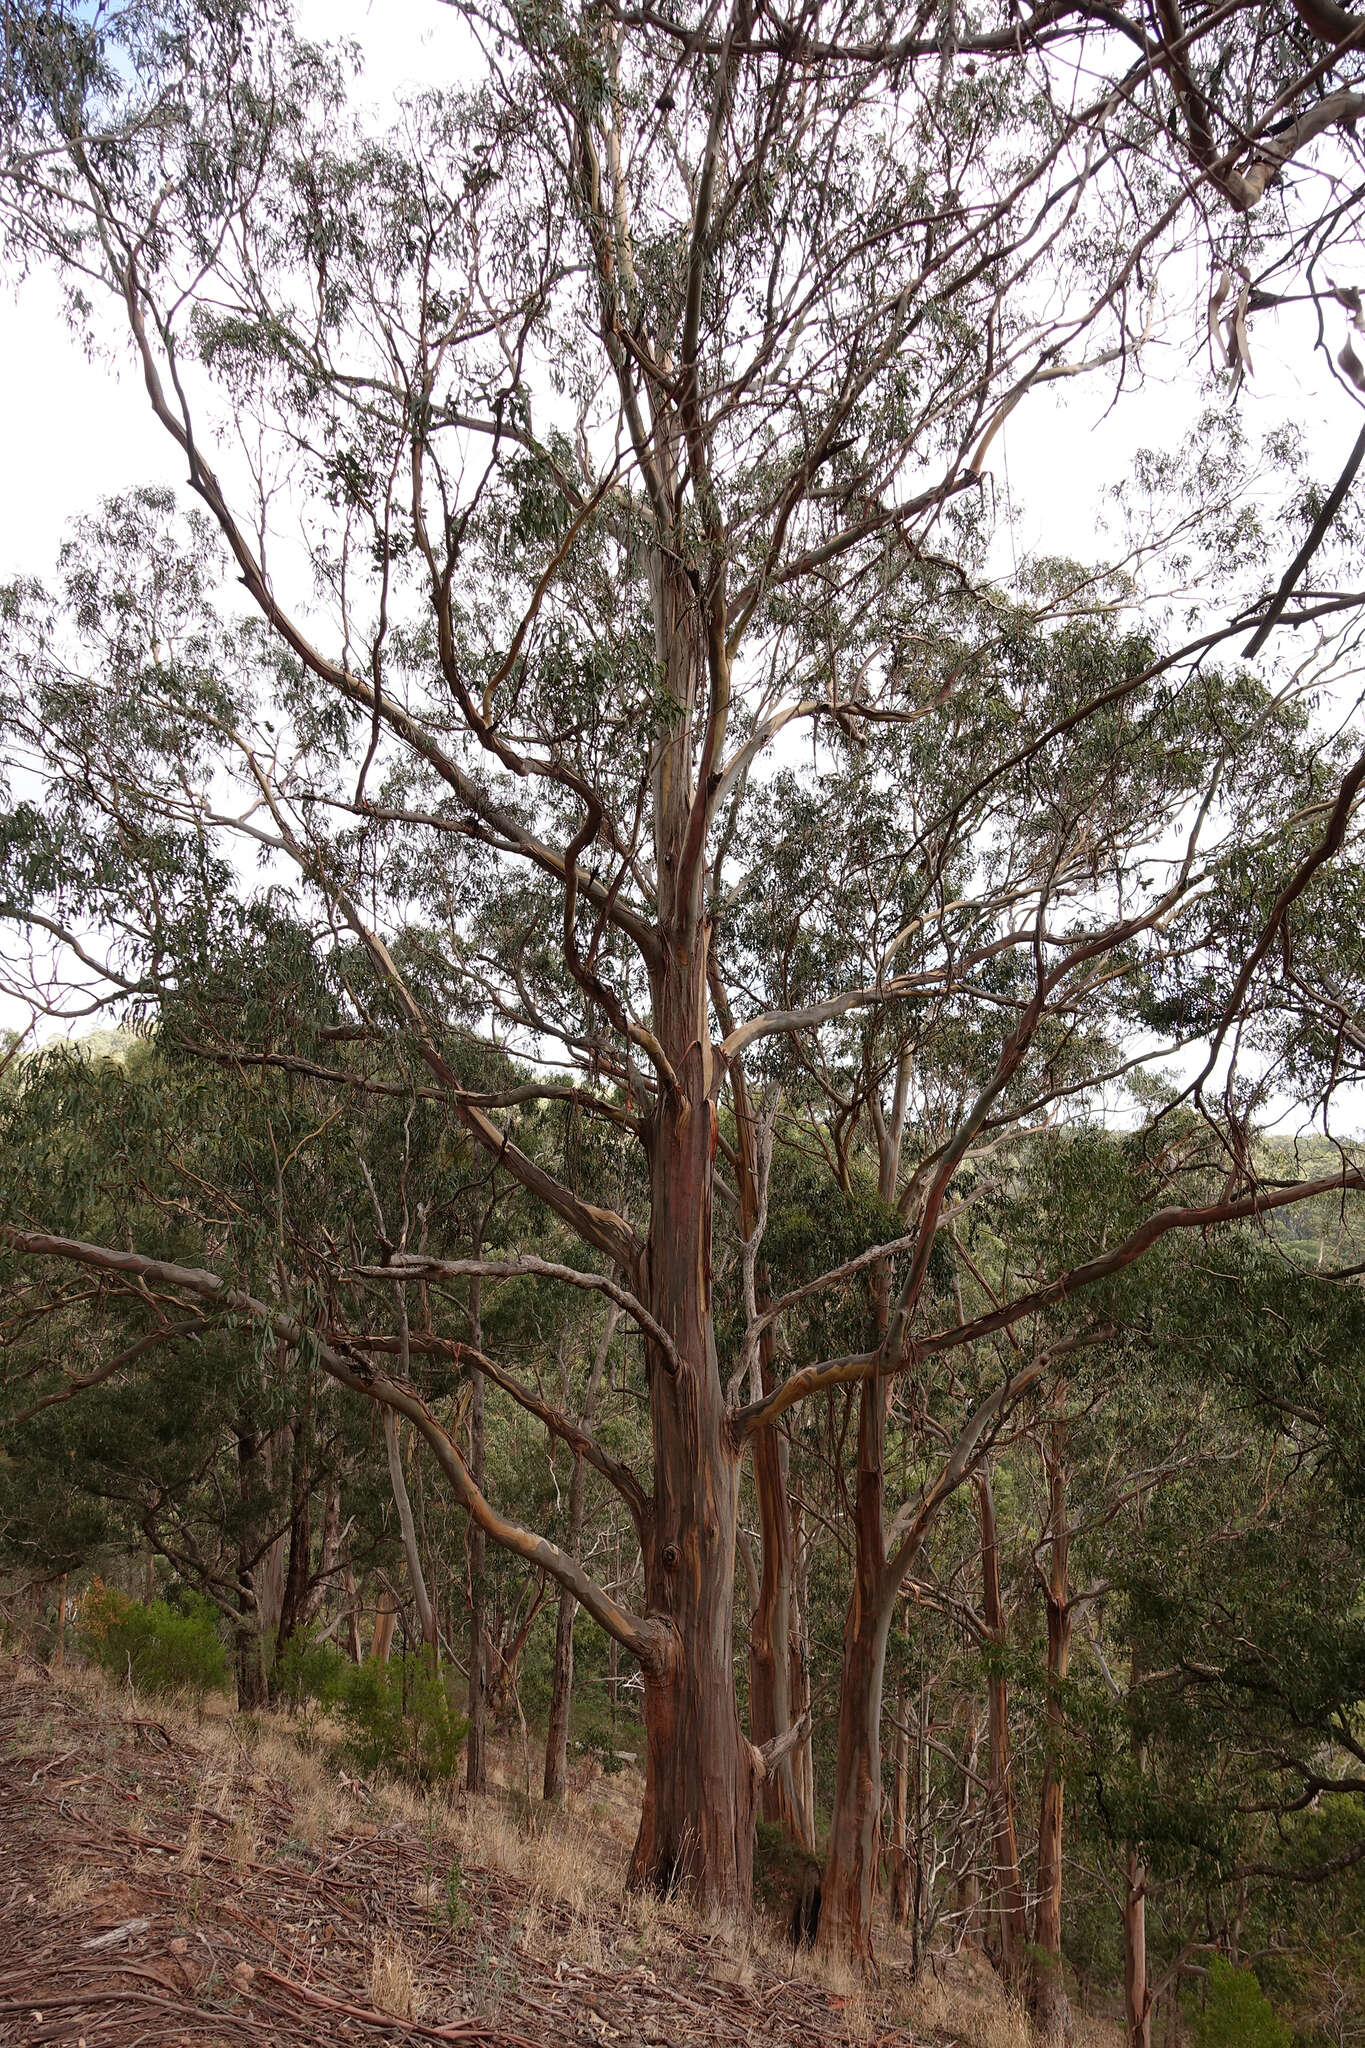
(76, 430)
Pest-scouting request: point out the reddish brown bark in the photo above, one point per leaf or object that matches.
(701, 1775)
(1051, 2011)
(1137, 1997)
(1011, 1909)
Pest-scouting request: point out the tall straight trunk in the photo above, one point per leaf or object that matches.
(1051, 2011)
(476, 1750)
(701, 1773)
(1137, 1998)
(561, 1685)
(1010, 1907)
(849, 1882)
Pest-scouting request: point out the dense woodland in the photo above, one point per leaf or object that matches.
(730, 1121)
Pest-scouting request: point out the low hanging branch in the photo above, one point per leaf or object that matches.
(649, 1641)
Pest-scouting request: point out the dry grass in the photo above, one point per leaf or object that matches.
(553, 1854)
(256, 1777)
(192, 1848)
(978, 2017)
(240, 1841)
(972, 2010)
(395, 1981)
(69, 1884)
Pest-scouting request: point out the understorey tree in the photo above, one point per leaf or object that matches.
(591, 543)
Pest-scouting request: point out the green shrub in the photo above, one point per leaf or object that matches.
(310, 1672)
(160, 1648)
(1236, 2012)
(398, 1718)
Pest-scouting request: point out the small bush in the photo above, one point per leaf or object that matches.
(159, 1647)
(398, 1718)
(1236, 2012)
(308, 1672)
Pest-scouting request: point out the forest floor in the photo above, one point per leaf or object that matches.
(172, 1878)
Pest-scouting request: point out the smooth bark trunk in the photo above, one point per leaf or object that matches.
(1137, 2000)
(701, 1772)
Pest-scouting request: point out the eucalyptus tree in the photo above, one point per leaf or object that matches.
(585, 447)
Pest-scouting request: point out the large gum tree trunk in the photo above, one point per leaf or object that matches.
(701, 1775)
(1010, 1905)
(1137, 2000)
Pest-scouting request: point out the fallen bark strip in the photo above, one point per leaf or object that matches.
(111, 1995)
(468, 2031)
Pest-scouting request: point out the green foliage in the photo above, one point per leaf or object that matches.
(398, 1718)
(309, 1672)
(454, 1904)
(1237, 2014)
(159, 1647)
